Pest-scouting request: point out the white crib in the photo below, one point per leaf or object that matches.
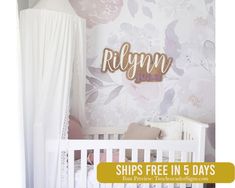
(191, 148)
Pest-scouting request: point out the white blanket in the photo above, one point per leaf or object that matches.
(91, 179)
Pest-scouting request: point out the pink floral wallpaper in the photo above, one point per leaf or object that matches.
(97, 11)
(183, 29)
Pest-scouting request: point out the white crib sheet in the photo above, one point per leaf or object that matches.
(91, 179)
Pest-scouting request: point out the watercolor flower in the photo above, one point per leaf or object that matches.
(196, 95)
(97, 11)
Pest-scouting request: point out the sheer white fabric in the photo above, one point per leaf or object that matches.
(53, 54)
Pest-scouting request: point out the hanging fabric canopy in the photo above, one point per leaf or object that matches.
(53, 69)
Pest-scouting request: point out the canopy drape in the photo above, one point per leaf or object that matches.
(53, 65)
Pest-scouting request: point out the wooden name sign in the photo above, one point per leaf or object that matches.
(140, 67)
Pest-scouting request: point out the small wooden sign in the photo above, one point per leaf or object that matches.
(140, 67)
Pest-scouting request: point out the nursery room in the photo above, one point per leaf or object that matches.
(115, 81)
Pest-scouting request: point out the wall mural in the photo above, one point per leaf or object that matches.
(182, 29)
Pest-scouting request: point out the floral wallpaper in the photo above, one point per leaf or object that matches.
(183, 29)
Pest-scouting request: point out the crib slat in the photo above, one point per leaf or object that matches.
(183, 159)
(184, 156)
(96, 156)
(159, 159)
(171, 156)
(133, 185)
(171, 159)
(96, 162)
(134, 158)
(115, 137)
(122, 155)
(106, 136)
(195, 157)
(109, 155)
(110, 136)
(186, 135)
(159, 155)
(146, 185)
(108, 185)
(195, 185)
(83, 180)
(134, 155)
(96, 137)
(146, 159)
(158, 185)
(147, 155)
(198, 185)
(71, 168)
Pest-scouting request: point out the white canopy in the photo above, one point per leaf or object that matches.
(53, 65)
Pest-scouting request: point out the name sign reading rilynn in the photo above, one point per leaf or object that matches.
(140, 67)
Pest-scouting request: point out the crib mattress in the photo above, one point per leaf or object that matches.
(91, 179)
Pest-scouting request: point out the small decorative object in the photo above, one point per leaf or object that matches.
(141, 67)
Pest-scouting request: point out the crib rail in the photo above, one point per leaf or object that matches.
(99, 139)
(194, 130)
(148, 146)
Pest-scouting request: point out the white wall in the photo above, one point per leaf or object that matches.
(11, 139)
